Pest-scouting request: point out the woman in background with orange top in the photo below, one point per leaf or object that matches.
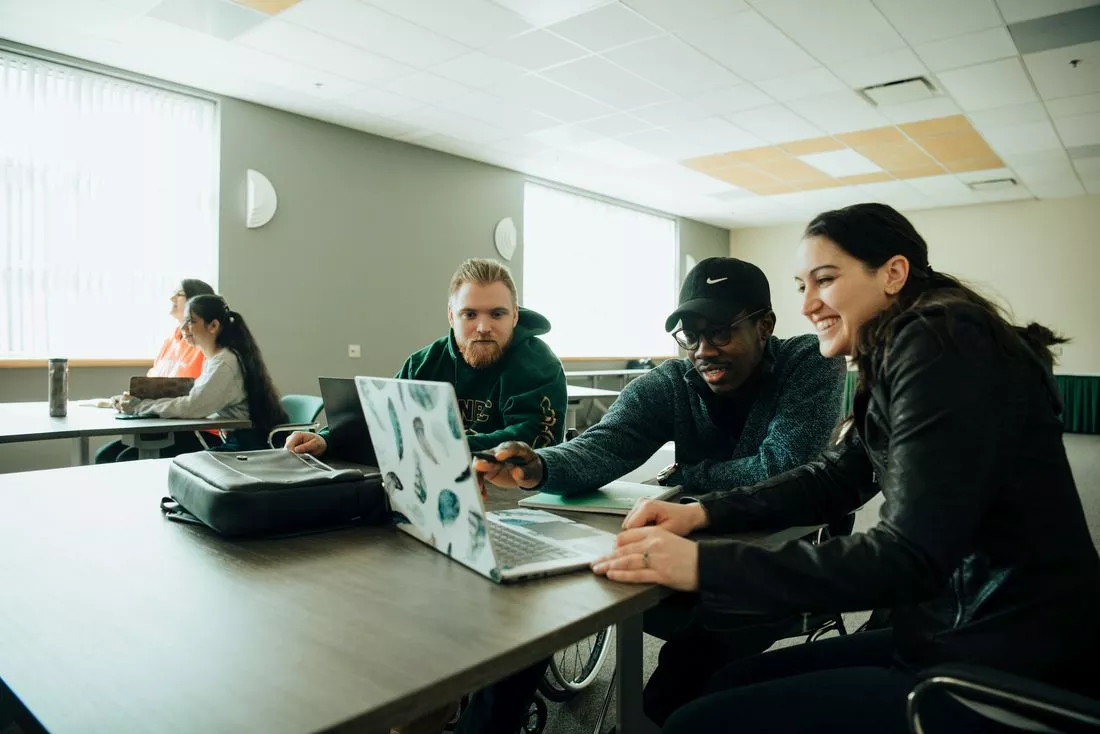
(176, 358)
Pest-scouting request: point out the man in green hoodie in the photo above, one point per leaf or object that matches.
(510, 385)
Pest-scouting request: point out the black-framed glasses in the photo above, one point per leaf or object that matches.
(717, 336)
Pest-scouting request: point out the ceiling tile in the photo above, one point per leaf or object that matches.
(967, 50)
(942, 106)
(887, 67)
(453, 124)
(1080, 130)
(748, 45)
(1020, 114)
(478, 70)
(732, 99)
(683, 13)
(426, 87)
(989, 85)
(838, 112)
(1015, 11)
(1020, 138)
(536, 50)
(714, 134)
(616, 125)
(543, 13)
(616, 153)
(1062, 188)
(1073, 106)
(934, 20)
(605, 27)
(600, 79)
(674, 65)
(373, 29)
(524, 146)
(563, 136)
(671, 112)
(385, 104)
(499, 112)
(1038, 173)
(774, 124)
(800, 84)
(833, 30)
(1055, 77)
(476, 23)
(1051, 157)
(661, 143)
(305, 47)
(552, 99)
(212, 17)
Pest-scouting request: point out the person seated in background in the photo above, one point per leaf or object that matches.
(981, 548)
(176, 358)
(743, 406)
(510, 387)
(234, 382)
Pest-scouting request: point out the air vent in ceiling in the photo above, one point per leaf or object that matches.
(900, 92)
(993, 184)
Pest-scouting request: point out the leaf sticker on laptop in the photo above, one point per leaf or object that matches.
(396, 430)
(419, 484)
(423, 396)
(454, 421)
(418, 429)
(392, 482)
(449, 507)
(477, 532)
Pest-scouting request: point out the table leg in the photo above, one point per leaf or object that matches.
(81, 451)
(149, 446)
(628, 695)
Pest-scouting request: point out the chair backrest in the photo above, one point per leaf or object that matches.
(302, 408)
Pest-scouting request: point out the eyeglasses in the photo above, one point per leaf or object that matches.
(718, 336)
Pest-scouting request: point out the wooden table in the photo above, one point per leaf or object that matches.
(32, 422)
(116, 620)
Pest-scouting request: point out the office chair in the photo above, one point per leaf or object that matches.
(1012, 701)
(301, 411)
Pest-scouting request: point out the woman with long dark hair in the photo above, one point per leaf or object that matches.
(981, 551)
(234, 382)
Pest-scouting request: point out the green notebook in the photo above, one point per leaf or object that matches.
(616, 498)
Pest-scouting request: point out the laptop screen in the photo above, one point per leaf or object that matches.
(348, 436)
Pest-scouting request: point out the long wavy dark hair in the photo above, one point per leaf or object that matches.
(264, 408)
(192, 287)
(874, 233)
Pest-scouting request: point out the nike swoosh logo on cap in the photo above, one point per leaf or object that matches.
(712, 281)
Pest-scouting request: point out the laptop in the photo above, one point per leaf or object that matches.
(421, 449)
(348, 438)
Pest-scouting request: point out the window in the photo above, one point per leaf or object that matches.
(604, 275)
(108, 198)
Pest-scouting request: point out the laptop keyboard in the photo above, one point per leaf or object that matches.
(513, 548)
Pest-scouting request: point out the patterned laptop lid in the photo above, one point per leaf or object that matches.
(420, 443)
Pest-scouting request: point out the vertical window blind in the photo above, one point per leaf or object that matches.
(108, 198)
(604, 275)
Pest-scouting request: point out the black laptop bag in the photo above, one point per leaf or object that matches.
(273, 492)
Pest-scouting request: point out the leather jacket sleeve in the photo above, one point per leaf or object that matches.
(941, 419)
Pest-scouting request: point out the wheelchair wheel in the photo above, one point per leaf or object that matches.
(536, 717)
(575, 667)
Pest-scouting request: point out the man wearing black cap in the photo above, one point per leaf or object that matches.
(742, 407)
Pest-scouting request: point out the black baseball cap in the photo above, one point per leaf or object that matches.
(719, 288)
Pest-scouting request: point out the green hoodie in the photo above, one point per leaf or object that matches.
(520, 397)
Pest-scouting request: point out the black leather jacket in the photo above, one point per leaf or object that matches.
(981, 549)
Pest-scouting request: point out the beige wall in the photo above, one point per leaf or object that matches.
(1042, 258)
(366, 237)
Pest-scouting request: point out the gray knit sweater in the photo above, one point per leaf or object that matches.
(795, 411)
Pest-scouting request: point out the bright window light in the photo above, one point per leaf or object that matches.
(108, 198)
(604, 275)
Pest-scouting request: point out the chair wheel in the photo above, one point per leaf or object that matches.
(574, 668)
(536, 717)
